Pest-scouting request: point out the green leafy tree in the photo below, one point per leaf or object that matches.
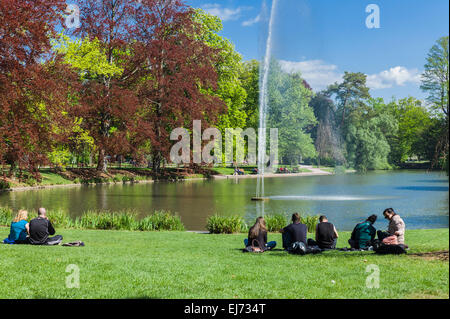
(228, 67)
(367, 137)
(250, 81)
(435, 77)
(350, 94)
(413, 121)
(435, 82)
(289, 111)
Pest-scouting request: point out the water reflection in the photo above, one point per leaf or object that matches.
(345, 199)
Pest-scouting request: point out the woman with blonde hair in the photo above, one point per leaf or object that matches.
(257, 236)
(19, 228)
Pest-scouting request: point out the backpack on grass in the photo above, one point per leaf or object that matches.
(74, 244)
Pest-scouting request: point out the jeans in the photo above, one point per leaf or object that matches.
(269, 245)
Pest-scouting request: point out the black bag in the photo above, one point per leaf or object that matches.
(74, 244)
(313, 250)
(298, 248)
(389, 249)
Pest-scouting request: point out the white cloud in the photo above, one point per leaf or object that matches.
(251, 22)
(396, 76)
(319, 75)
(225, 14)
(316, 72)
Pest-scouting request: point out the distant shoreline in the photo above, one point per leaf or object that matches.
(26, 188)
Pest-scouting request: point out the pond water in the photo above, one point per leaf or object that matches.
(420, 197)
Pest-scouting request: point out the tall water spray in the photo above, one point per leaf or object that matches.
(263, 105)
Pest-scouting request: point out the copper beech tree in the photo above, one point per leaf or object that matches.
(166, 79)
(33, 84)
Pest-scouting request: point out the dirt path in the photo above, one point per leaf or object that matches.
(313, 172)
(435, 255)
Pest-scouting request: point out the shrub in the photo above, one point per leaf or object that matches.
(6, 216)
(226, 224)
(310, 222)
(160, 220)
(275, 222)
(117, 178)
(107, 220)
(59, 218)
(4, 185)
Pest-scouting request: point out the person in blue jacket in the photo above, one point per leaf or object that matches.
(20, 228)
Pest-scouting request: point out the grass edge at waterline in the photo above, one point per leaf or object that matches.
(106, 220)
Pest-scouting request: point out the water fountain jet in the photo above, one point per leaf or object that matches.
(263, 104)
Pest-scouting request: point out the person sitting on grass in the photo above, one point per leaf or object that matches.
(363, 234)
(396, 227)
(41, 228)
(257, 236)
(295, 232)
(19, 228)
(326, 235)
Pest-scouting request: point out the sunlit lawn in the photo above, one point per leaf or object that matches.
(121, 264)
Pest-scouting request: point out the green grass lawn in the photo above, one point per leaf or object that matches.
(121, 264)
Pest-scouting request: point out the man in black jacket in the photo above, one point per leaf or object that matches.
(40, 230)
(295, 232)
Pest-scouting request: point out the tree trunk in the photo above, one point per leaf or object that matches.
(102, 164)
(156, 162)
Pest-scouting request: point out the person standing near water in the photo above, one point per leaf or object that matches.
(396, 226)
(257, 236)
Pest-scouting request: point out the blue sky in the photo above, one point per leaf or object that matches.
(324, 38)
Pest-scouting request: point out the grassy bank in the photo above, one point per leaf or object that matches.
(123, 264)
(70, 176)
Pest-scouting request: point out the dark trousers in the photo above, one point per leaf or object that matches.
(312, 242)
(382, 235)
(22, 242)
(353, 244)
(287, 241)
(270, 245)
(55, 240)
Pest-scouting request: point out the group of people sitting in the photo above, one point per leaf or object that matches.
(35, 232)
(295, 239)
(284, 170)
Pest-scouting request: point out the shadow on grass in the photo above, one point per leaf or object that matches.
(329, 253)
